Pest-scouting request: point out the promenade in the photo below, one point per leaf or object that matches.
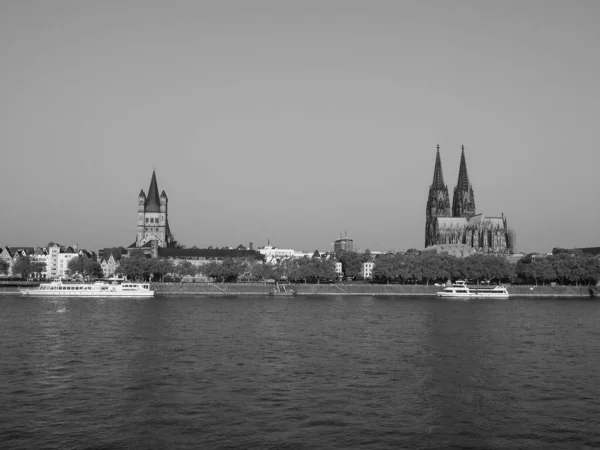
(351, 289)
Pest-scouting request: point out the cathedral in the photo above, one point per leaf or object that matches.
(153, 219)
(458, 224)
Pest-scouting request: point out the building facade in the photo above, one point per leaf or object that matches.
(153, 217)
(343, 244)
(460, 224)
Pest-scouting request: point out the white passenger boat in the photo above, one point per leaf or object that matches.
(461, 290)
(99, 289)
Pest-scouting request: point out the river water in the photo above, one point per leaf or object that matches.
(299, 373)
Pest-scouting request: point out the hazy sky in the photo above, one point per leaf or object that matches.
(295, 121)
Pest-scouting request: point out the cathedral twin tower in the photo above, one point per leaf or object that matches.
(460, 224)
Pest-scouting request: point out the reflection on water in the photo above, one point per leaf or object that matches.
(334, 372)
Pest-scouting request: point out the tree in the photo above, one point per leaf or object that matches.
(4, 266)
(232, 269)
(185, 268)
(351, 263)
(161, 267)
(265, 271)
(84, 266)
(22, 266)
(386, 268)
(563, 264)
(433, 267)
(137, 266)
(37, 268)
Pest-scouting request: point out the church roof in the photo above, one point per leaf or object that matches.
(495, 221)
(152, 203)
(476, 219)
(207, 253)
(451, 222)
(591, 250)
(438, 175)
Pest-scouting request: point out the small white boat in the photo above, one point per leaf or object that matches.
(461, 290)
(99, 289)
(281, 290)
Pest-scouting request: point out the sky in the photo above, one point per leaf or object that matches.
(295, 121)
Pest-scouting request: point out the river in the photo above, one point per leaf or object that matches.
(299, 373)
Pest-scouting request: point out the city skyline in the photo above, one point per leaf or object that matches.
(296, 122)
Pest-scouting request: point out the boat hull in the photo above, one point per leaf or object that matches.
(36, 293)
(504, 296)
(99, 289)
(282, 294)
(461, 290)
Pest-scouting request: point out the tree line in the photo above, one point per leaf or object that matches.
(411, 267)
(564, 268)
(429, 267)
(308, 270)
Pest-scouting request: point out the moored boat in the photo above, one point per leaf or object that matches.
(281, 290)
(461, 290)
(99, 289)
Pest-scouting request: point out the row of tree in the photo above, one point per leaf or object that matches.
(430, 267)
(24, 266)
(410, 267)
(565, 268)
(309, 270)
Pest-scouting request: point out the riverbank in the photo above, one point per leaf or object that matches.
(351, 289)
(241, 289)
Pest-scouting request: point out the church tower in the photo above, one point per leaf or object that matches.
(463, 201)
(438, 202)
(153, 222)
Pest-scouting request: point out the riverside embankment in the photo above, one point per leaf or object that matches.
(171, 289)
(350, 289)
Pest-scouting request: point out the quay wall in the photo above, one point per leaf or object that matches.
(350, 289)
(172, 289)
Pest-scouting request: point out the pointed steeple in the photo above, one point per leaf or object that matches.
(438, 202)
(438, 175)
(153, 201)
(463, 176)
(463, 200)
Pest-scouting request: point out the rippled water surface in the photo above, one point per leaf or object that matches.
(301, 373)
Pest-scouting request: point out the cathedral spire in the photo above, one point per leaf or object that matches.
(463, 200)
(438, 175)
(153, 201)
(438, 202)
(463, 176)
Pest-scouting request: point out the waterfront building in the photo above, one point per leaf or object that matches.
(58, 257)
(109, 259)
(201, 256)
(338, 270)
(55, 258)
(367, 270)
(274, 255)
(6, 255)
(459, 224)
(41, 255)
(153, 218)
(343, 244)
(11, 254)
(63, 257)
